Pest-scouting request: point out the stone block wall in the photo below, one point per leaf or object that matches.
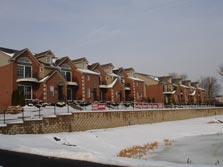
(109, 119)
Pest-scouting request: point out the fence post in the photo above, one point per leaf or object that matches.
(22, 114)
(39, 112)
(68, 108)
(4, 116)
(54, 109)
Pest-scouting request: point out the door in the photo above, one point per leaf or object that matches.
(69, 94)
(60, 93)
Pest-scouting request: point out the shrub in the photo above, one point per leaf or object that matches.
(18, 98)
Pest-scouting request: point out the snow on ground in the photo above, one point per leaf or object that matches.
(103, 145)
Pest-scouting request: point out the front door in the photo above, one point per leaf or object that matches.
(60, 93)
(69, 94)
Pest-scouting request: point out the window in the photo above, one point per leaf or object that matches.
(27, 90)
(137, 84)
(48, 59)
(88, 92)
(24, 60)
(69, 94)
(66, 75)
(51, 90)
(24, 71)
(66, 72)
(95, 85)
(116, 94)
(24, 68)
(137, 95)
(87, 77)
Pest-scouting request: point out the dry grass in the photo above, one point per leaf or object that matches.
(138, 151)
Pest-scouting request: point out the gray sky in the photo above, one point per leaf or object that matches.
(152, 36)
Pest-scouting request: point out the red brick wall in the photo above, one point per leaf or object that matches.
(129, 93)
(38, 93)
(89, 84)
(117, 88)
(55, 80)
(6, 85)
(78, 76)
(155, 91)
(139, 91)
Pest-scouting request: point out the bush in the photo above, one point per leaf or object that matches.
(18, 98)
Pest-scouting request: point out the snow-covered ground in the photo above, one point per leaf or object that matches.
(103, 145)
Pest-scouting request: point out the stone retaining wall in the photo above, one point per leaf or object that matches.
(96, 120)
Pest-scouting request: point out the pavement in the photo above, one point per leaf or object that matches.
(16, 159)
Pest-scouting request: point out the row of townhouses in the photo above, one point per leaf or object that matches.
(45, 78)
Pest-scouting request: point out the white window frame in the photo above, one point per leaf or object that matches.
(31, 93)
(65, 75)
(88, 93)
(24, 70)
(52, 92)
(48, 59)
(70, 89)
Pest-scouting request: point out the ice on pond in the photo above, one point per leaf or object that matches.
(205, 149)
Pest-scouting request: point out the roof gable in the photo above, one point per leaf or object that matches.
(80, 60)
(120, 72)
(45, 53)
(22, 52)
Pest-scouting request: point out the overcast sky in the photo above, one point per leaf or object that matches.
(153, 36)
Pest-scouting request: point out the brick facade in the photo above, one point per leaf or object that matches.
(49, 79)
(155, 92)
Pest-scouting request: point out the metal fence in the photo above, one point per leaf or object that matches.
(40, 112)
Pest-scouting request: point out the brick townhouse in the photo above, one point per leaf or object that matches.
(89, 83)
(134, 87)
(182, 91)
(192, 92)
(200, 96)
(72, 76)
(46, 78)
(36, 75)
(153, 88)
(111, 87)
(177, 91)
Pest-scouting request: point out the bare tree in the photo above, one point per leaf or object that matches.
(220, 70)
(211, 86)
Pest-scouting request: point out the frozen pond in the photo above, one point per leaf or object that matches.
(203, 150)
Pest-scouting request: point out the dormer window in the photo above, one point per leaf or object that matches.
(85, 65)
(24, 68)
(48, 59)
(66, 72)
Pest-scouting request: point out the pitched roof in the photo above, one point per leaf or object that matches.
(129, 69)
(45, 79)
(149, 76)
(107, 65)
(45, 53)
(8, 51)
(61, 60)
(93, 66)
(109, 85)
(83, 59)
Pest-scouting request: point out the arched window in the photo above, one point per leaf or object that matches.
(24, 60)
(65, 67)
(24, 68)
(66, 72)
